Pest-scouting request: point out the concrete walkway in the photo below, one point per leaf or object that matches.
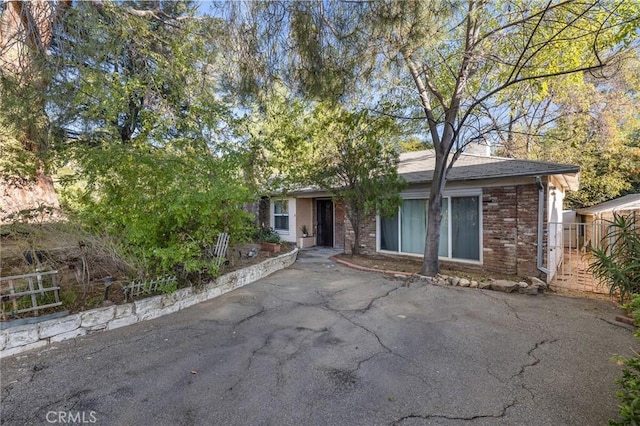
(320, 344)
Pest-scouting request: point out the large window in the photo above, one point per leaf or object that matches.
(281, 215)
(405, 232)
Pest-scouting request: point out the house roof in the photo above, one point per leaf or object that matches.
(418, 166)
(628, 202)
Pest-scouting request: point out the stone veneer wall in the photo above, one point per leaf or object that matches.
(367, 235)
(510, 230)
(509, 217)
(527, 249)
(34, 336)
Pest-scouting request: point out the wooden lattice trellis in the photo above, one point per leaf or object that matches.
(137, 288)
(28, 293)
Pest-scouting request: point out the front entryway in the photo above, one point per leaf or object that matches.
(324, 223)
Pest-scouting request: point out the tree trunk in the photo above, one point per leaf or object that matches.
(430, 264)
(355, 219)
(28, 200)
(26, 31)
(355, 247)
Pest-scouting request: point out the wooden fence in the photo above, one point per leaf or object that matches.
(136, 288)
(29, 293)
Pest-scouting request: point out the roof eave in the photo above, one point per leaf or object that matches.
(571, 177)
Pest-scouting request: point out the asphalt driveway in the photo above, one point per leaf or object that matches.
(320, 344)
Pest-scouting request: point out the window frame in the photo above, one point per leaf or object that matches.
(284, 202)
(446, 197)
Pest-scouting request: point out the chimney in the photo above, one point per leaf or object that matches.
(478, 147)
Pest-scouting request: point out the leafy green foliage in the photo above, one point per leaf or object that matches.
(629, 395)
(350, 154)
(593, 124)
(280, 139)
(412, 144)
(267, 234)
(143, 126)
(617, 264)
(23, 129)
(358, 164)
(24, 75)
(136, 79)
(466, 62)
(168, 206)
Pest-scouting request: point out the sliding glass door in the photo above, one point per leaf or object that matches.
(406, 231)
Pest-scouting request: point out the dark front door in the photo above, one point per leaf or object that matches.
(325, 223)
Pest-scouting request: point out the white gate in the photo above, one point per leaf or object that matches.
(573, 254)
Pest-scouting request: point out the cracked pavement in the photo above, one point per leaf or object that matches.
(320, 344)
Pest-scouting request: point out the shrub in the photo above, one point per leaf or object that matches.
(630, 381)
(617, 263)
(166, 207)
(267, 235)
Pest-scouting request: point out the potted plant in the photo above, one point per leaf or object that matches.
(269, 240)
(305, 231)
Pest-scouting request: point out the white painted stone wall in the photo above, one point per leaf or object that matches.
(23, 338)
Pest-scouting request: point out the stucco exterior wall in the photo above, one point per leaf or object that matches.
(304, 215)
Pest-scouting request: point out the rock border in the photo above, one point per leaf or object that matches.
(533, 287)
(396, 274)
(15, 340)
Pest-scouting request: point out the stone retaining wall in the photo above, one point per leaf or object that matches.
(33, 336)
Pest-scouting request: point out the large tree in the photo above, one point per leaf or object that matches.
(463, 63)
(593, 123)
(498, 49)
(143, 131)
(26, 33)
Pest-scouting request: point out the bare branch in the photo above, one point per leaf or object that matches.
(433, 88)
(554, 36)
(517, 67)
(523, 20)
(507, 84)
(471, 35)
(397, 116)
(424, 98)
